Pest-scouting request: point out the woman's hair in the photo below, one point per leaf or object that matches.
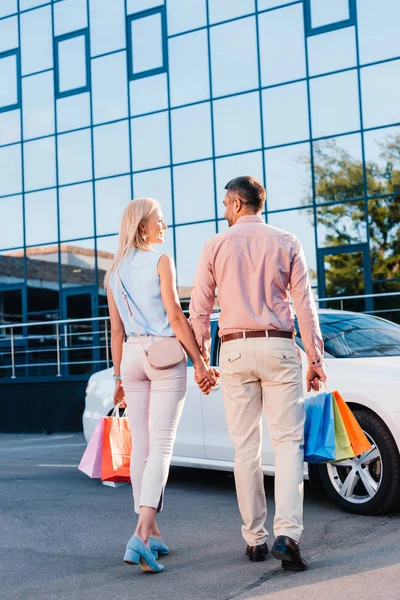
(129, 237)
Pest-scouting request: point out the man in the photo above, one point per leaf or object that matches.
(255, 266)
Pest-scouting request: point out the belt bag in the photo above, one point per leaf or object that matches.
(161, 355)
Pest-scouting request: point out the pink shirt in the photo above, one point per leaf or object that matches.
(254, 266)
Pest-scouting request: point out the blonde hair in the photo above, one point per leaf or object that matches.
(136, 212)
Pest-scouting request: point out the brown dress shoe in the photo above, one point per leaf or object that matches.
(257, 553)
(288, 551)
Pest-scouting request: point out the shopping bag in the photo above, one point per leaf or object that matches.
(116, 454)
(358, 439)
(91, 460)
(319, 430)
(344, 449)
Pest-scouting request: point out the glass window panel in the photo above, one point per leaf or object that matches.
(25, 4)
(332, 51)
(69, 16)
(107, 26)
(112, 195)
(334, 104)
(191, 133)
(8, 7)
(72, 64)
(301, 223)
(44, 229)
(285, 111)
(324, 13)
(149, 94)
(134, 6)
(282, 50)
(73, 112)
(150, 141)
(236, 70)
(11, 230)
(188, 68)
(36, 40)
(8, 81)
(284, 191)
(10, 170)
(338, 169)
(194, 192)
(74, 157)
(147, 43)
(76, 211)
(38, 105)
(184, 15)
(384, 236)
(378, 29)
(223, 10)
(237, 124)
(190, 237)
(234, 166)
(265, 4)
(78, 261)
(10, 127)
(155, 184)
(109, 88)
(39, 164)
(341, 224)
(111, 149)
(9, 34)
(381, 94)
(382, 154)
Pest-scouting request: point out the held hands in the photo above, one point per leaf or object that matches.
(205, 377)
(119, 395)
(313, 377)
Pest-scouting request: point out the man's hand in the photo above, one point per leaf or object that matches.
(119, 394)
(313, 377)
(205, 377)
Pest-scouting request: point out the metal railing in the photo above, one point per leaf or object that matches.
(69, 347)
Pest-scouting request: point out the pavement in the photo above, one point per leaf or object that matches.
(62, 537)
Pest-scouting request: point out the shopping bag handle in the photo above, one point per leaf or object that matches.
(116, 408)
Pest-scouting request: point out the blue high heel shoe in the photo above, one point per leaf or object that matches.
(158, 546)
(137, 553)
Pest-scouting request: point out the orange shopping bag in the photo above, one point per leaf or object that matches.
(116, 452)
(358, 439)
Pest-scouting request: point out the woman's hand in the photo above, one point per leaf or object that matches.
(119, 394)
(205, 377)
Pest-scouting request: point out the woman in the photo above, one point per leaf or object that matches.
(154, 397)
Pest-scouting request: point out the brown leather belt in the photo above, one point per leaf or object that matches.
(256, 334)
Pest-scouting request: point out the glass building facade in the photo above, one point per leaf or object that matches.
(102, 101)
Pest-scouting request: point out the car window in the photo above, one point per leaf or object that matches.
(357, 336)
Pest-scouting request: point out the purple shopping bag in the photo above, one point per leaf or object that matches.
(91, 459)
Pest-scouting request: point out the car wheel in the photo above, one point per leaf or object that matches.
(368, 484)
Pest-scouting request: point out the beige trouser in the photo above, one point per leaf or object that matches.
(155, 401)
(251, 369)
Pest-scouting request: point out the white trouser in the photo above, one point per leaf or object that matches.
(155, 401)
(251, 369)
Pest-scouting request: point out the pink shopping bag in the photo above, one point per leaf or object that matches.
(91, 459)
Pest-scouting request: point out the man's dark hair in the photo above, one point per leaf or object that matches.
(250, 190)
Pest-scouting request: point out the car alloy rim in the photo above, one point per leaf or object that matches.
(357, 480)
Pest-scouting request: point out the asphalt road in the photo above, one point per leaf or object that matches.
(62, 537)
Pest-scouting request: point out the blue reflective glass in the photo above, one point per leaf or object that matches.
(223, 10)
(76, 211)
(11, 230)
(10, 170)
(38, 105)
(156, 184)
(235, 70)
(44, 229)
(107, 26)
(9, 34)
(147, 43)
(265, 4)
(284, 191)
(111, 149)
(69, 16)
(10, 127)
(109, 88)
(285, 111)
(378, 29)
(112, 196)
(325, 13)
(188, 68)
(148, 94)
(282, 50)
(332, 51)
(40, 164)
(233, 166)
(134, 6)
(383, 159)
(194, 192)
(73, 112)
(8, 80)
(72, 73)
(190, 240)
(237, 124)
(191, 133)
(381, 94)
(36, 40)
(74, 157)
(184, 15)
(8, 7)
(150, 141)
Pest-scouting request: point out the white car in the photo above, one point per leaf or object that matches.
(362, 355)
